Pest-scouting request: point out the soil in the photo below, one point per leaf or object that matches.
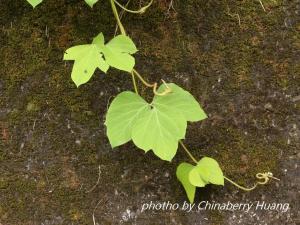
(240, 62)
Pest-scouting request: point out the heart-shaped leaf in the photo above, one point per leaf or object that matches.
(182, 174)
(209, 171)
(206, 171)
(195, 179)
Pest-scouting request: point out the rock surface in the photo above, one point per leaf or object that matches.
(241, 62)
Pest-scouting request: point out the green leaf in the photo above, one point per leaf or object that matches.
(159, 128)
(117, 53)
(91, 2)
(195, 178)
(121, 115)
(183, 101)
(209, 171)
(87, 59)
(121, 61)
(206, 171)
(182, 173)
(99, 40)
(151, 127)
(34, 3)
(122, 44)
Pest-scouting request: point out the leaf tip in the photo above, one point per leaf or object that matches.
(77, 85)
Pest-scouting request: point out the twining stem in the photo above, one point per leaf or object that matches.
(239, 186)
(265, 177)
(134, 83)
(134, 72)
(123, 31)
(188, 152)
(261, 176)
(154, 85)
(142, 79)
(140, 11)
(121, 15)
(116, 14)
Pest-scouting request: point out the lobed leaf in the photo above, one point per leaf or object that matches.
(99, 40)
(89, 57)
(157, 126)
(121, 61)
(183, 101)
(121, 115)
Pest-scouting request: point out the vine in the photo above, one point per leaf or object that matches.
(160, 125)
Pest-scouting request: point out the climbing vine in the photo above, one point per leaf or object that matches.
(159, 125)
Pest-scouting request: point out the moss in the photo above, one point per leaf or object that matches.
(217, 217)
(31, 106)
(196, 46)
(3, 183)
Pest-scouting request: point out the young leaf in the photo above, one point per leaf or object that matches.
(34, 3)
(87, 59)
(206, 171)
(91, 2)
(182, 173)
(183, 101)
(209, 171)
(195, 179)
(121, 115)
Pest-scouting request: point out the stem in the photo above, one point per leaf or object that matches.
(134, 83)
(140, 11)
(122, 29)
(115, 11)
(265, 177)
(188, 152)
(142, 79)
(261, 176)
(239, 186)
(154, 85)
(121, 14)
